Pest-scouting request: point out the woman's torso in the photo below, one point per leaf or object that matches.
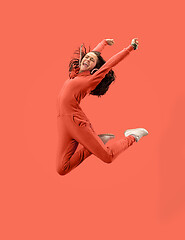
(71, 94)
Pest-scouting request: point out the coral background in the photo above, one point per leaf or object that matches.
(141, 195)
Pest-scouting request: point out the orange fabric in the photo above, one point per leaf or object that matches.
(73, 125)
(100, 46)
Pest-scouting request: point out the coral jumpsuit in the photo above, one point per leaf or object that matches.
(73, 125)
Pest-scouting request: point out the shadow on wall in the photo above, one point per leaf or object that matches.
(172, 162)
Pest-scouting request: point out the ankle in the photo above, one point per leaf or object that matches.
(135, 137)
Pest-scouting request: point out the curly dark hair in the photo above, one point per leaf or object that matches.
(103, 86)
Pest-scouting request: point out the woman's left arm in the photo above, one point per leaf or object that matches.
(102, 44)
(96, 78)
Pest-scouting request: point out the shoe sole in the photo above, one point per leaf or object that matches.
(130, 131)
(106, 134)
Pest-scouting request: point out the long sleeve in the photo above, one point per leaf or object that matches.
(100, 46)
(100, 74)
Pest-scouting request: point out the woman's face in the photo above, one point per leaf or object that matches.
(88, 62)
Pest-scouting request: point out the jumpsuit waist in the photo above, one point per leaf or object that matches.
(78, 113)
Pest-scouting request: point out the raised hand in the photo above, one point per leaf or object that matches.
(135, 43)
(110, 41)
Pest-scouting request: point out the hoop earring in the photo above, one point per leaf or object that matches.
(95, 69)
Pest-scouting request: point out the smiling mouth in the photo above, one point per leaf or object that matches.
(85, 64)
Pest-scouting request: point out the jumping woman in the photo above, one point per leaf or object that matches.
(88, 74)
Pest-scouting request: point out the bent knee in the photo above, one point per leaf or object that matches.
(62, 166)
(62, 171)
(108, 160)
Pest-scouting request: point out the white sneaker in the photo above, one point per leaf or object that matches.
(137, 133)
(106, 137)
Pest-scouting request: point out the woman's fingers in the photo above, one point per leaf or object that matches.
(135, 40)
(110, 41)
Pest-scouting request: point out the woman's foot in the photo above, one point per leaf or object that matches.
(137, 133)
(106, 137)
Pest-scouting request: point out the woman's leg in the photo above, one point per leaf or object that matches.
(91, 142)
(83, 133)
(67, 158)
(70, 159)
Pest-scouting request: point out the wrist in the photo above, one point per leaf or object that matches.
(134, 45)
